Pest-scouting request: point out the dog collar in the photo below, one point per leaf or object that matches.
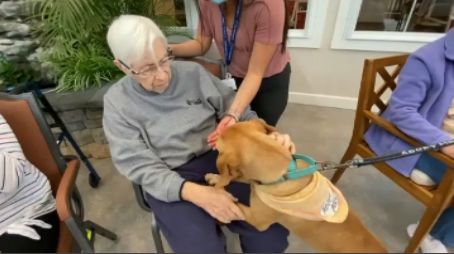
(293, 172)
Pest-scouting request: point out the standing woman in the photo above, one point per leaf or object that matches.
(251, 36)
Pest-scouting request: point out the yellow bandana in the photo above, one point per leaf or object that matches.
(319, 200)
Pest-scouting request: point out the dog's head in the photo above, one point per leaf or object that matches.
(246, 150)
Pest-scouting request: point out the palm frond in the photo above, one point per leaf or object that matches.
(87, 68)
(72, 32)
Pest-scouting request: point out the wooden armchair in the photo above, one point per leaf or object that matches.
(370, 105)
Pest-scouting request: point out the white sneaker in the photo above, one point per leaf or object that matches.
(428, 244)
(421, 178)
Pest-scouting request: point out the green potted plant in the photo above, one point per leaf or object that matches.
(72, 34)
(14, 76)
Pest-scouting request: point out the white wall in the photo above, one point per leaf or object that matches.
(327, 77)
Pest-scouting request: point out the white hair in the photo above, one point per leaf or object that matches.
(130, 36)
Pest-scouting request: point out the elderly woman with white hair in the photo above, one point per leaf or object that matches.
(157, 119)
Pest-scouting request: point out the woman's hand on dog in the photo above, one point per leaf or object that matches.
(226, 122)
(284, 140)
(220, 204)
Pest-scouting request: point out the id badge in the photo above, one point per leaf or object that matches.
(229, 81)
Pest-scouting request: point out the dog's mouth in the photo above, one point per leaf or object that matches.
(276, 178)
(280, 179)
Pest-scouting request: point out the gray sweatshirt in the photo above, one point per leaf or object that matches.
(149, 133)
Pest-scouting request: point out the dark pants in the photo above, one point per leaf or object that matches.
(272, 97)
(190, 229)
(21, 244)
(443, 230)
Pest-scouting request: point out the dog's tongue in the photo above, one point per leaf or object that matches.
(319, 200)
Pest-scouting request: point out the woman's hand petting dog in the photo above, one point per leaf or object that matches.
(284, 140)
(220, 204)
(226, 122)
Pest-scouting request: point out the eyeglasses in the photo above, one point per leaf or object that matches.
(151, 69)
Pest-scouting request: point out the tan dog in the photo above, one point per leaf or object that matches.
(247, 154)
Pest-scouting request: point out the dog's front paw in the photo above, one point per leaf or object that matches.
(212, 179)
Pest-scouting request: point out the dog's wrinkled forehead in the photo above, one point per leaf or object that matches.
(251, 137)
(240, 134)
(247, 147)
(244, 128)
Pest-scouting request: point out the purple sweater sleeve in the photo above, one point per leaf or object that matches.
(414, 84)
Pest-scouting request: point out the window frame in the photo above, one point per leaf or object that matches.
(312, 34)
(345, 36)
(192, 15)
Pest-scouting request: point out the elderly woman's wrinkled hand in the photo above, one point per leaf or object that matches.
(284, 140)
(219, 203)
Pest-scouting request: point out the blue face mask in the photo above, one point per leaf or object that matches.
(218, 2)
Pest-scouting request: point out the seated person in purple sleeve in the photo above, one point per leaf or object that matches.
(157, 119)
(422, 106)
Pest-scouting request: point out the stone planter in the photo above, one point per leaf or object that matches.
(82, 114)
(65, 101)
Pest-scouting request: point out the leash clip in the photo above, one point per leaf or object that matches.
(330, 165)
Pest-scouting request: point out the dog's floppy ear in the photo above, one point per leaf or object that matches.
(263, 126)
(228, 168)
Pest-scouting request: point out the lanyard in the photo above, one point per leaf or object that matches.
(230, 45)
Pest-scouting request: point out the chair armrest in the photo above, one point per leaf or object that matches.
(69, 158)
(215, 67)
(138, 191)
(391, 128)
(65, 188)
